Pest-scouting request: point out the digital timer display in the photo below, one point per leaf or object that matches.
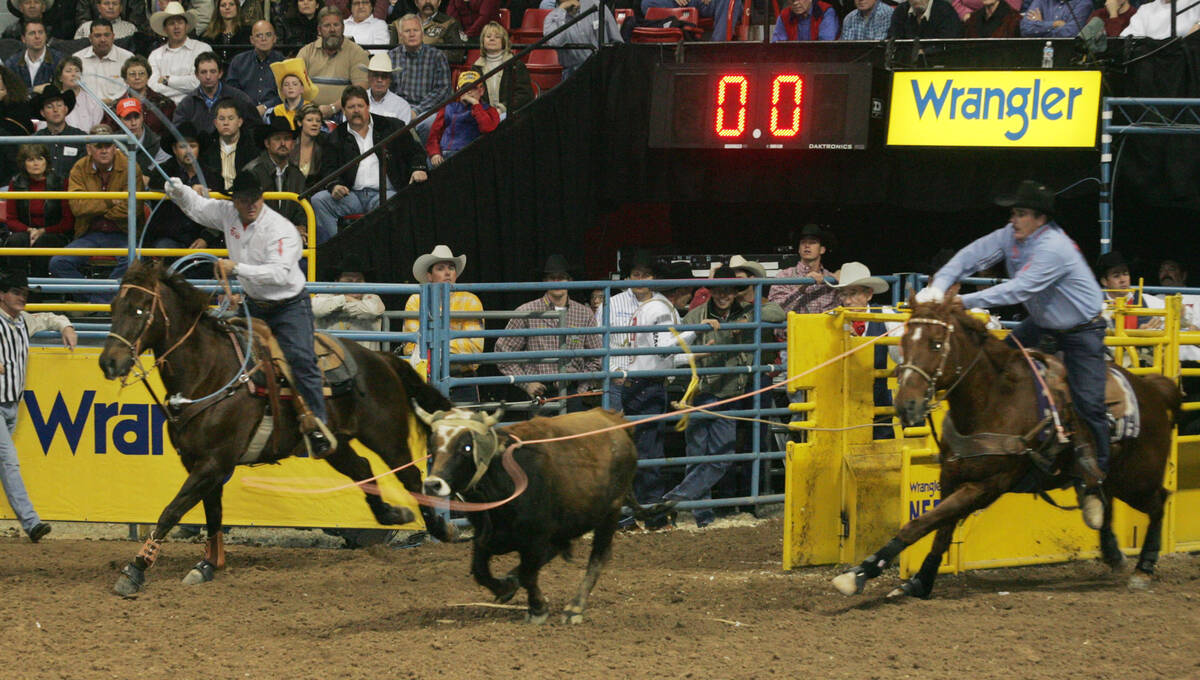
(805, 106)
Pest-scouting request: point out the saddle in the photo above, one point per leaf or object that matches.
(1124, 419)
(338, 367)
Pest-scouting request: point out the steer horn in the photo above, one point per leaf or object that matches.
(425, 416)
(494, 418)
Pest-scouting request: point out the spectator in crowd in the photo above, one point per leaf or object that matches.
(169, 227)
(869, 21)
(45, 223)
(227, 27)
(855, 288)
(15, 119)
(459, 123)
(1112, 271)
(1172, 273)
(16, 327)
(198, 105)
(87, 110)
(1055, 18)
(437, 28)
(136, 73)
(132, 11)
(109, 10)
(810, 298)
(356, 190)
(511, 88)
(54, 107)
(926, 19)
(473, 15)
(1153, 20)
(596, 301)
(715, 436)
(717, 10)
(806, 20)
(380, 11)
(36, 63)
(575, 314)
(295, 89)
(200, 11)
(99, 222)
(275, 170)
(364, 28)
(441, 265)
(26, 11)
(1116, 15)
(251, 72)
(234, 146)
(585, 32)
(423, 78)
(350, 311)
(331, 61)
(994, 19)
(102, 62)
(749, 269)
(150, 153)
(175, 62)
(966, 8)
(309, 149)
(383, 101)
(681, 297)
(300, 22)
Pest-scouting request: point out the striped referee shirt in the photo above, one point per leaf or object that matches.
(14, 348)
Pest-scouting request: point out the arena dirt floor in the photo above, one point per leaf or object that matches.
(674, 604)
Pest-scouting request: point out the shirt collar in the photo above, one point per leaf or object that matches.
(370, 130)
(928, 10)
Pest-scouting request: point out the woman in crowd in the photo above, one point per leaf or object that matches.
(136, 73)
(512, 88)
(295, 89)
(45, 223)
(300, 22)
(14, 118)
(87, 112)
(227, 27)
(307, 152)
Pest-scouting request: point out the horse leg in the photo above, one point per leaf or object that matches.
(394, 451)
(963, 501)
(1110, 550)
(354, 466)
(1148, 559)
(601, 552)
(200, 482)
(921, 585)
(214, 547)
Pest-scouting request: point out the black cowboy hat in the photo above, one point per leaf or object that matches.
(1030, 194)
(640, 259)
(187, 130)
(824, 235)
(350, 263)
(1110, 260)
(51, 93)
(246, 184)
(278, 124)
(15, 278)
(556, 264)
(678, 269)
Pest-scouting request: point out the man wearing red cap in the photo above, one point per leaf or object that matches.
(149, 153)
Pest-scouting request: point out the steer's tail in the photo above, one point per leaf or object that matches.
(649, 514)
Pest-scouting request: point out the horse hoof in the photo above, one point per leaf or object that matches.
(513, 585)
(201, 573)
(573, 615)
(909, 588)
(394, 515)
(1139, 581)
(850, 582)
(130, 582)
(897, 592)
(537, 619)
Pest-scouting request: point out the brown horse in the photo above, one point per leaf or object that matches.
(197, 356)
(990, 431)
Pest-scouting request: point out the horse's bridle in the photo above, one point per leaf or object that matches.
(932, 380)
(135, 346)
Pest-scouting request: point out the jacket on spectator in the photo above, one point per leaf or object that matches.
(787, 26)
(252, 75)
(516, 87)
(87, 210)
(458, 124)
(195, 108)
(169, 220)
(474, 14)
(943, 22)
(727, 384)
(313, 172)
(1004, 23)
(151, 119)
(263, 168)
(54, 214)
(297, 28)
(63, 156)
(404, 153)
(246, 151)
(16, 64)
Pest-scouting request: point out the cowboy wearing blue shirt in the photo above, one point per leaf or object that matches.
(1048, 274)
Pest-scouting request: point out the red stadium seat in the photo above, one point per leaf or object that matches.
(544, 69)
(472, 57)
(505, 18)
(667, 35)
(531, 27)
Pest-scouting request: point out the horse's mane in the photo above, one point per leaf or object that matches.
(954, 311)
(146, 273)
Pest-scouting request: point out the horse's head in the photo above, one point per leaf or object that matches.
(138, 319)
(462, 444)
(934, 346)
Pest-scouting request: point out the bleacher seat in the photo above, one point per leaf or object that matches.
(544, 69)
(643, 34)
(505, 18)
(531, 27)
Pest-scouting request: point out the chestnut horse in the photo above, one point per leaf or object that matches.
(198, 355)
(989, 431)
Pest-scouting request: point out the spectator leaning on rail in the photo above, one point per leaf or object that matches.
(869, 21)
(442, 266)
(925, 19)
(1055, 18)
(16, 327)
(1050, 277)
(806, 20)
(332, 62)
(807, 298)
(44, 223)
(174, 63)
(350, 311)
(35, 63)
(356, 190)
(264, 255)
(1112, 271)
(459, 123)
(574, 314)
(583, 32)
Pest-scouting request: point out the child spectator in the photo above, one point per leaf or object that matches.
(462, 122)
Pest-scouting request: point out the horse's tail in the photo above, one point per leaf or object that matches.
(1169, 390)
(429, 398)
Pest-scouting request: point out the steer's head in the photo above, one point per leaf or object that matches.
(462, 444)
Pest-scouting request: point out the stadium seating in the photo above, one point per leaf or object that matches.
(531, 27)
(643, 34)
(505, 18)
(544, 69)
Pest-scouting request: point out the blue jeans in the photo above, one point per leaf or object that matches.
(707, 437)
(68, 266)
(642, 397)
(328, 209)
(10, 470)
(292, 323)
(717, 10)
(1087, 371)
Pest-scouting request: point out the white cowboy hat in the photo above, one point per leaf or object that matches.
(440, 254)
(857, 274)
(754, 269)
(174, 9)
(380, 63)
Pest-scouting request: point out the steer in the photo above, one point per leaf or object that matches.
(575, 486)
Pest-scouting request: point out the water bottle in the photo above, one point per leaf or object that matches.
(1048, 55)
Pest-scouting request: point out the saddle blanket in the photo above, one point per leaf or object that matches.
(1120, 402)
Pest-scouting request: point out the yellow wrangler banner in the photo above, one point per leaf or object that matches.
(1036, 108)
(92, 452)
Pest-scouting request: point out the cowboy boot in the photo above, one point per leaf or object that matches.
(1091, 502)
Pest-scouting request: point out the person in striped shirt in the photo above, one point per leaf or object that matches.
(16, 326)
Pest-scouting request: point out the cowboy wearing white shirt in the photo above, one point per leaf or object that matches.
(102, 62)
(174, 64)
(383, 101)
